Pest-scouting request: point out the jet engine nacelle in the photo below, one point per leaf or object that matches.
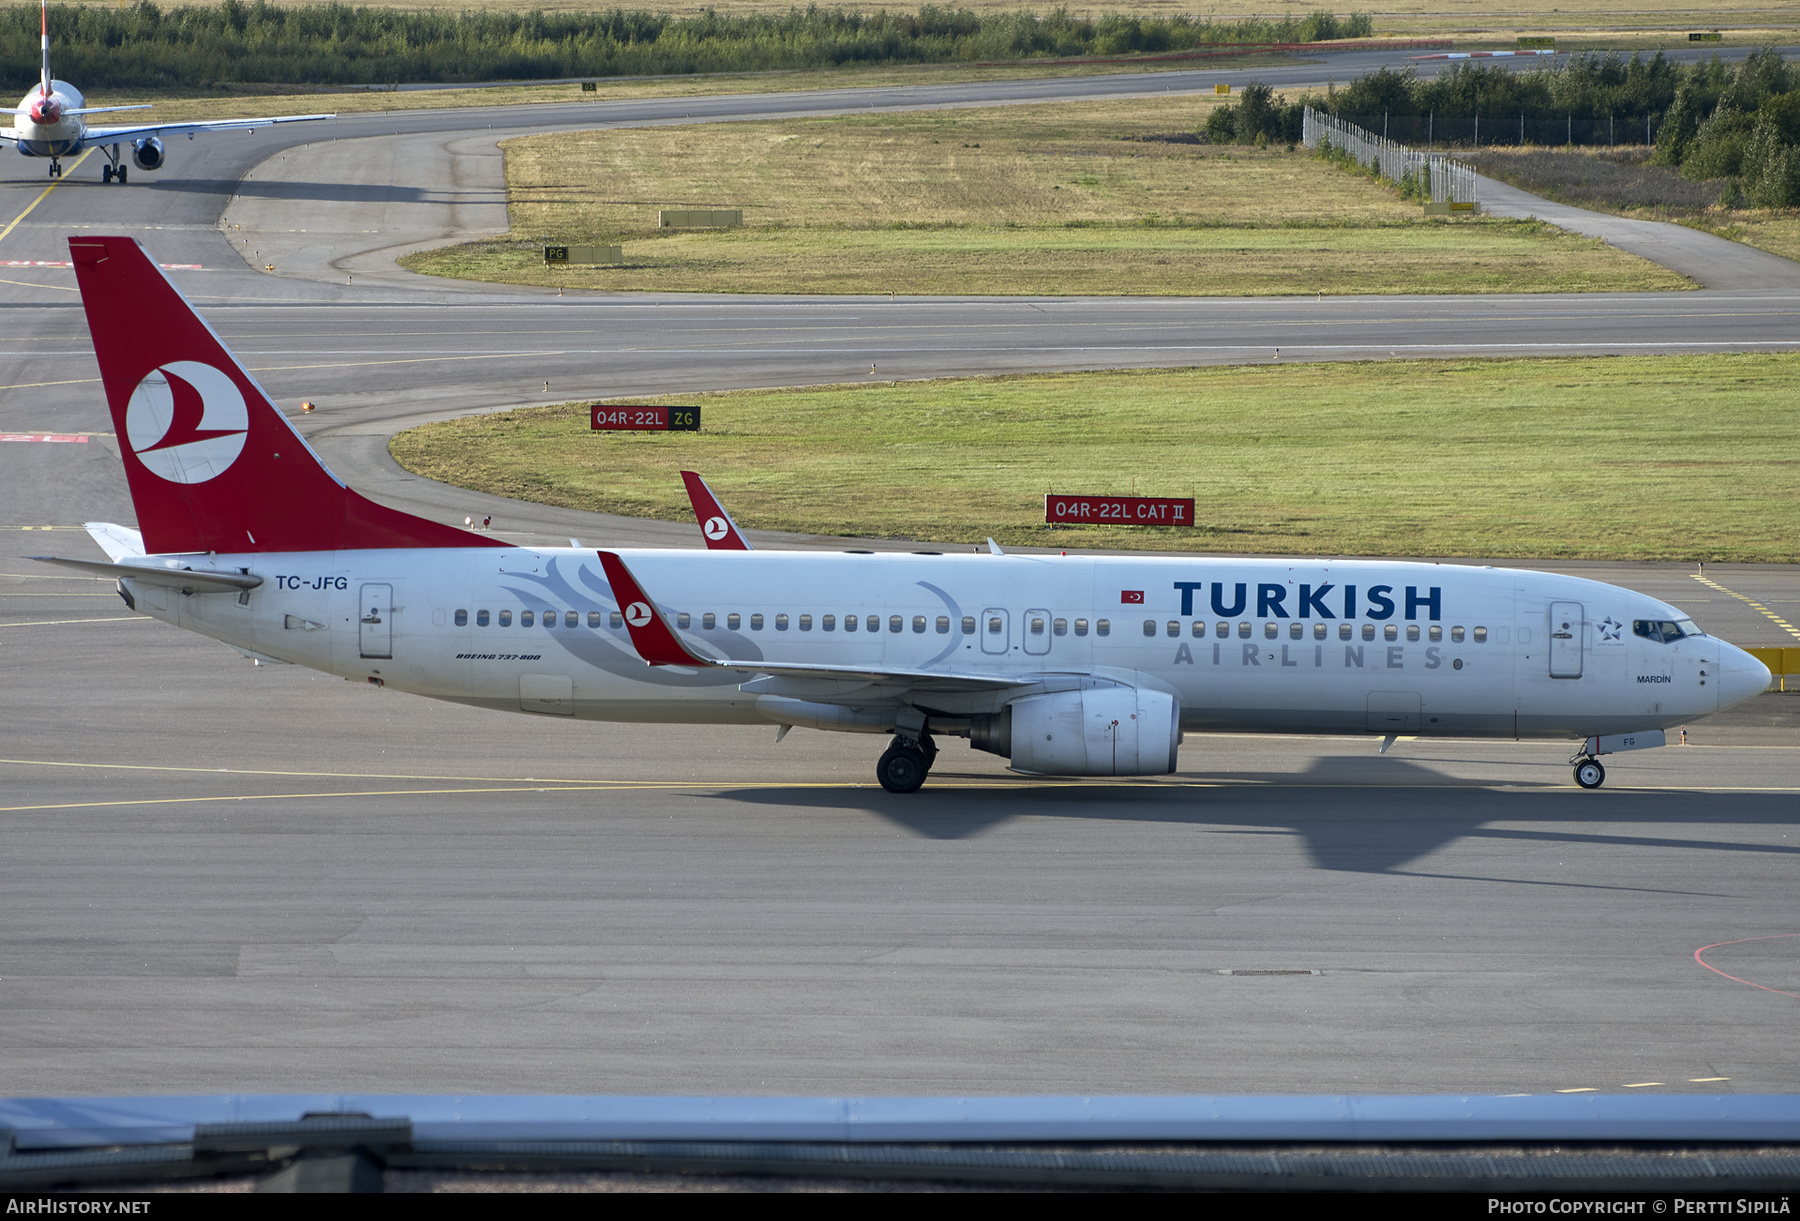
(1103, 731)
(147, 154)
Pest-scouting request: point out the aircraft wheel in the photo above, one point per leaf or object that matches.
(902, 769)
(1589, 774)
(106, 173)
(120, 175)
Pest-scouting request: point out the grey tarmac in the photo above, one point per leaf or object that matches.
(220, 876)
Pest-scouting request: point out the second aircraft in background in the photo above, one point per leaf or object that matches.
(49, 122)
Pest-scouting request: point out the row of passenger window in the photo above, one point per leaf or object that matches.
(1035, 625)
(709, 622)
(1320, 631)
(529, 618)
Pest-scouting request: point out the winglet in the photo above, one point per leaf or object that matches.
(722, 534)
(651, 636)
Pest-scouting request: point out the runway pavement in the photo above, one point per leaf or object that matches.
(221, 877)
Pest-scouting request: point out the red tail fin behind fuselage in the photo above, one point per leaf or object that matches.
(212, 463)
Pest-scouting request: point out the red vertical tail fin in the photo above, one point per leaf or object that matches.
(212, 463)
(44, 42)
(722, 534)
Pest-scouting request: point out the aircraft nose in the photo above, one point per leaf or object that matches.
(1741, 676)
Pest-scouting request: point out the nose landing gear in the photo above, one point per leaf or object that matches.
(55, 168)
(1588, 772)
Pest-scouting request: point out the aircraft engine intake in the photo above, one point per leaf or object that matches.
(147, 154)
(1103, 731)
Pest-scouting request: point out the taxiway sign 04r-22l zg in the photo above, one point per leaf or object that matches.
(1066, 665)
(50, 121)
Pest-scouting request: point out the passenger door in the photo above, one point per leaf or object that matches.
(375, 629)
(1567, 635)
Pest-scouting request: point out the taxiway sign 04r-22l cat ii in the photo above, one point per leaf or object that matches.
(1066, 665)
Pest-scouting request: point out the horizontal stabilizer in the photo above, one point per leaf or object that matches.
(201, 580)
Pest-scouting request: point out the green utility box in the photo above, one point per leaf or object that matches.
(699, 218)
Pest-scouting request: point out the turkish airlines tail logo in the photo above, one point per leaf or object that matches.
(213, 464)
(187, 421)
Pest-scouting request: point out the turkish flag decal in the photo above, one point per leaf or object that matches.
(1131, 597)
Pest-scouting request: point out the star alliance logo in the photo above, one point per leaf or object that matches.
(1610, 628)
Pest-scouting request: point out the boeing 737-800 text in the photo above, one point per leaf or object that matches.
(1066, 665)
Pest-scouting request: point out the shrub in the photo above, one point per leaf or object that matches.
(1771, 167)
(1718, 147)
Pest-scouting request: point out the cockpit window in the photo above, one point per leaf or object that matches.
(1665, 631)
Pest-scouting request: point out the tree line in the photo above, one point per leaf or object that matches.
(1711, 120)
(205, 47)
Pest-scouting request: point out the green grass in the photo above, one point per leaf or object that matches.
(1647, 458)
(1082, 198)
(1491, 256)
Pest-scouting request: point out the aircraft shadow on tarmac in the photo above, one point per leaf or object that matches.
(316, 192)
(1347, 825)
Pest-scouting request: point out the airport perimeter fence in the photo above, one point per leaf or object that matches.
(1432, 131)
(1447, 181)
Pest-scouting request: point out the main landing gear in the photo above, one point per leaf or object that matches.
(114, 172)
(1588, 772)
(906, 763)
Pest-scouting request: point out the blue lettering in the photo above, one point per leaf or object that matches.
(1285, 659)
(1183, 657)
(1432, 658)
(1414, 602)
(1310, 601)
(1380, 605)
(1218, 601)
(1269, 598)
(1252, 654)
(1353, 656)
(1187, 589)
(1349, 601)
(1394, 653)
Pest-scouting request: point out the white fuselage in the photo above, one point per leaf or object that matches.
(1314, 646)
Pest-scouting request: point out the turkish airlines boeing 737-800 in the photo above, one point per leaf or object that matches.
(1085, 666)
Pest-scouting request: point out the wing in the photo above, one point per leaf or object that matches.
(657, 643)
(103, 136)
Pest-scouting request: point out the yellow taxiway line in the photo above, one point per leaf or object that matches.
(1783, 624)
(43, 195)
